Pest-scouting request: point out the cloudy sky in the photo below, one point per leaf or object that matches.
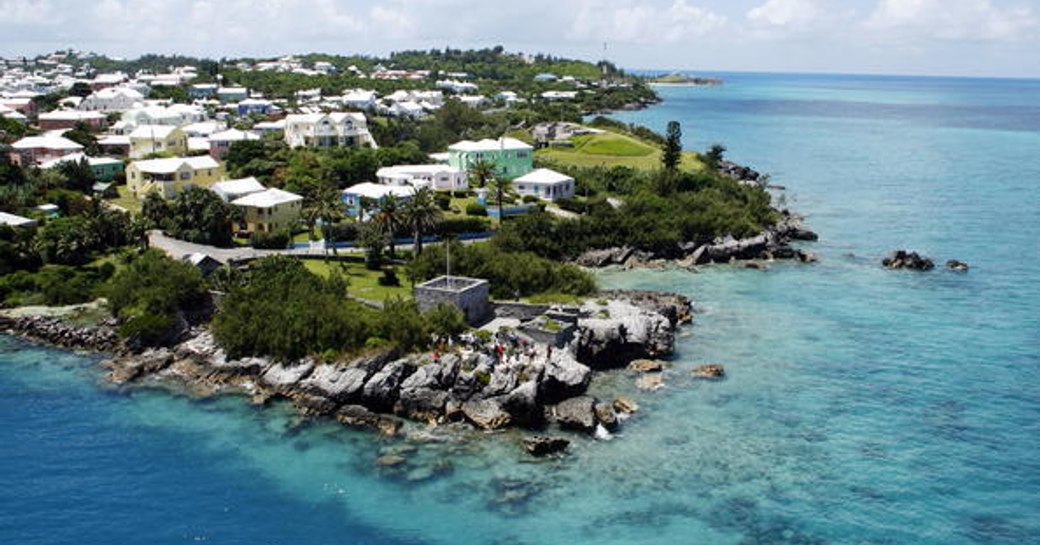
(955, 37)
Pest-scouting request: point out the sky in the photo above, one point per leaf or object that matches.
(926, 37)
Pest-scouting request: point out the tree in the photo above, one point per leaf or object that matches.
(199, 215)
(155, 210)
(325, 204)
(373, 240)
(66, 241)
(672, 150)
(388, 218)
(80, 89)
(482, 171)
(501, 190)
(713, 157)
(82, 134)
(421, 215)
(149, 293)
(78, 175)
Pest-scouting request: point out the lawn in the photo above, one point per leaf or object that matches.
(126, 200)
(363, 283)
(612, 149)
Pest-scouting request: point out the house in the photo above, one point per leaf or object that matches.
(174, 114)
(456, 86)
(25, 106)
(359, 99)
(112, 99)
(321, 130)
(357, 197)
(560, 95)
(105, 81)
(148, 139)
(269, 210)
(105, 168)
(269, 127)
(473, 101)
(33, 150)
(114, 144)
(545, 77)
(207, 265)
(203, 90)
(12, 220)
(258, 106)
(220, 142)
(438, 177)
(230, 190)
(67, 119)
(228, 95)
(172, 175)
(547, 185)
(512, 157)
(406, 108)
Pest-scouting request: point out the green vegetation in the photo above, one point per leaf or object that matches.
(195, 215)
(285, 311)
(611, 149)
(510, 273)
(150, 296)
(360, 281)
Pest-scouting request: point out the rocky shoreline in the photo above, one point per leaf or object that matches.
(529, 385)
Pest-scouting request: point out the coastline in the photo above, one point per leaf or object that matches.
(541, 390)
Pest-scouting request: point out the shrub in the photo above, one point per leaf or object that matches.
(389, 277)
(455, 226)
(476, 209)
(446, 319)
(443, 201)
(150, 292)
(571, 204)
(342, 231)
(530, 198)
(277, 240)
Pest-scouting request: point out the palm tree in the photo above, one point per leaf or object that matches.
(325, 205)
(421, 214)
(501, 189)
(388, 218)
(482, 171)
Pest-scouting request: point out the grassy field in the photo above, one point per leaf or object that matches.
(363, 282)
(126, 200)
(612, 149)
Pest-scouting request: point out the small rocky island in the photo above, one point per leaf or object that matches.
(679, 78)
(534, 376)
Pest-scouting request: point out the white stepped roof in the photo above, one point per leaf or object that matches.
(171, 164)
(240, 186)
(267, 198)
(543, 176)
(48, 141)
(504, 143)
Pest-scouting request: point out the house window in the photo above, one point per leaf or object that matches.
(185, 175)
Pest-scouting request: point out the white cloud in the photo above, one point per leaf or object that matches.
(785, 13)
(644, 23)
(952, 20)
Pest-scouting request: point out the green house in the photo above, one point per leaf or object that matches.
(513, 157)
(105, 168)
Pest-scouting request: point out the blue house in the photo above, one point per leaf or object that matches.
(257, 106)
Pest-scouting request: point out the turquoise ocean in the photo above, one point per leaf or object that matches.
(862, 406)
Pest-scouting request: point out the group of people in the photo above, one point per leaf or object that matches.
(505, 346)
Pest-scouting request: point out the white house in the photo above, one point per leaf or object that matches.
(545, 184)
(355, 194)
(112, 99)
(438, 177)
(361, 99)
(321, 130)
(231, 190)
(220, 142)
(32, 150)
(457, 86)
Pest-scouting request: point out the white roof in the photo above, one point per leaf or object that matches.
(114, 140)
(171, 164)
(543, 176)
(198, 143)
(48, 141)
(415, 170)
(233, 135)
(76, 115)
(504, 143)
(270, 125)
(92, 161)
(378, 191)
(267, 198)
(240, 186)
(153, 131)
(112, 92)
(15, 221)
(203, 128)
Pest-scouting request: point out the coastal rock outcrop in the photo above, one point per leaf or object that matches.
(541, 445)
(623, 332)
(58, 332)
(955, 265)
(902, 259)
(576, 413)
(709, 371)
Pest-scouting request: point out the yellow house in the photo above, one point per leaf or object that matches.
(269, 210)
(171, 176)
(148, 139)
